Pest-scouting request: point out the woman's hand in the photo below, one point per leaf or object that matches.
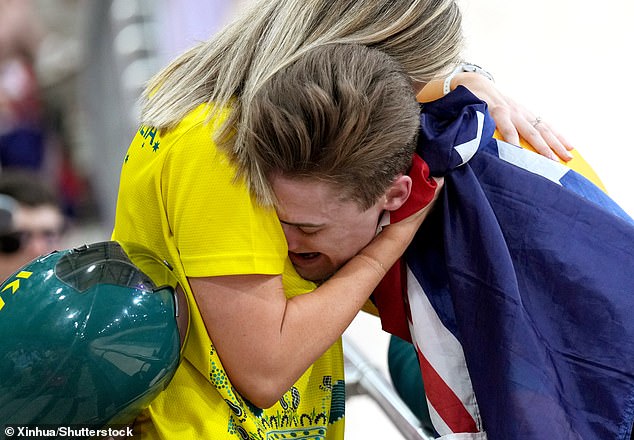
(513, 120)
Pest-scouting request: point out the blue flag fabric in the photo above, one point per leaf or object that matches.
(531, 268)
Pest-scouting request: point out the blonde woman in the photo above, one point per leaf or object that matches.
(263, 359)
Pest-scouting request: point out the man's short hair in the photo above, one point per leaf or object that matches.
(28, 188)
(345, 114)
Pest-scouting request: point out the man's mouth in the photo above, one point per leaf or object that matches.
(304, 257)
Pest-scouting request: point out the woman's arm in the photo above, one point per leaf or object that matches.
(512, 119)
(267, 341)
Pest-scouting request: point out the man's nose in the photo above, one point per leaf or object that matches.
(293, 236)
(41, 244)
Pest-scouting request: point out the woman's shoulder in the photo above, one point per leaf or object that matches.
(202, 119)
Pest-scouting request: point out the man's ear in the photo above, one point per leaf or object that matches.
(398, 193)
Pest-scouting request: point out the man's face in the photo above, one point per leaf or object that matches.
(37, 231)
(322, 231)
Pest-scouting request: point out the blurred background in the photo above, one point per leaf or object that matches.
(71, 71)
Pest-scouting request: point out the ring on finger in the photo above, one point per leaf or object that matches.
(536, 122)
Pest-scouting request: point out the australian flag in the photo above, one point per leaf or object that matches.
(518, 290)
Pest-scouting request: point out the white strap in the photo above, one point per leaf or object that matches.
(464, 67)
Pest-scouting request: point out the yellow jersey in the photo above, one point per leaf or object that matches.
(178, 197)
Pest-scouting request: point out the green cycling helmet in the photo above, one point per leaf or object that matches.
(87, 337)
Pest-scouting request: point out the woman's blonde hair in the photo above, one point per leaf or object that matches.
(424, 36)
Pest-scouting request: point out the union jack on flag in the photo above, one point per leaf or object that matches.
(518, 290)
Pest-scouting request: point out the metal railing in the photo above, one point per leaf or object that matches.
(362, 377)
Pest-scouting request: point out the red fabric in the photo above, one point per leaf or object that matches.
(423, 189)
(443, 399)
(389, 296)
